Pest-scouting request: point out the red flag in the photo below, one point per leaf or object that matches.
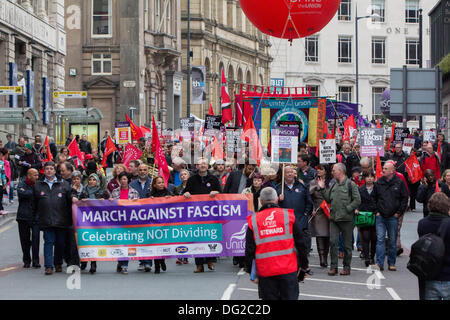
(109, 148)
(379, 170)
(160, 159)
(250, 135)
(391, 140)
(325, 129)
(136, 132)
(131, 153)
(47, 149)
(248, 111)
(144, 130)
(378, 123)
(439, 151)
(211, 111)
(326, 208)
(239, 110)
(349, 127)
(437, 189)
(217, 151)
(155, 136)
(75, 153)
(412, 166)
(227, 113)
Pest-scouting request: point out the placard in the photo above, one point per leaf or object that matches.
(123, 133)
(429, 135)
(327, 151)
(400, 134)
(408, 144)
(233, 142)
(212, 125)
(284, 142)
(187, 126)
(371, 140)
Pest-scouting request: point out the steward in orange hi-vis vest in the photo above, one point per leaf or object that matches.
(272, 230)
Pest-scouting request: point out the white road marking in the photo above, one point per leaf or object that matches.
(357, 269)
(228, 292)
(393, 294)
(9, 226)
(241, 272)
(343, 282)
(307, 295)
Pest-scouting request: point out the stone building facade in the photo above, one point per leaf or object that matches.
(32, 55)
(126, 55)
(223, 38)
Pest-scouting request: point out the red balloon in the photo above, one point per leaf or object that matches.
(306, 16)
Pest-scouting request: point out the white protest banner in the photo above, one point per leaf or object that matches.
(371, 140)
(284, 145)
(408, 144)
(327, 151)
(429, 135)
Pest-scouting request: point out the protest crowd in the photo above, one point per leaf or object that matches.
(325, 201)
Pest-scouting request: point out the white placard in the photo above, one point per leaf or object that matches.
(327, 151)
(408, 144)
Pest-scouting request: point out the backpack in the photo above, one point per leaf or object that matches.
(427, 253)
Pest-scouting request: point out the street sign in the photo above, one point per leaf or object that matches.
(70, 94)
(11, 90)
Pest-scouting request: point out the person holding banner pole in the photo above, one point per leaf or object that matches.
(93, 191)
(202, 183)
(124, 192)
(159, 190)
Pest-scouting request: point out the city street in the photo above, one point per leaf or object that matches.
(179, 282)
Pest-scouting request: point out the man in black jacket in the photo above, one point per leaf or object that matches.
(238, 180)
(392, 201)
(52, 204)
(283, 286)
(28, 228)
(349, 158)
(85, 145)
(400, 157)
(426, 190)
(202, 183)
(445, 149)
(29, 160)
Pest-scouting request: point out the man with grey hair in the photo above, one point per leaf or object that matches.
(272, 236)
(344, 199)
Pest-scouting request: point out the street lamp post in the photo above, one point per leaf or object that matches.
(374, 15)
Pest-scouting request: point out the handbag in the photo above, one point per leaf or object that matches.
(365, 219)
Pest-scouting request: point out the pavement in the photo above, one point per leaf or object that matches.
(227, 282)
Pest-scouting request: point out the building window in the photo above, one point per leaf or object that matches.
(345, 94)
(412, 51)
(101, 63)
(345, 10)
(146, 17)
(101, 17)
(345, 49)
(412, 11)
(315, 90)
(379, 51)
(378, 8)
(312, 49)
(376, 99)
(169, 17)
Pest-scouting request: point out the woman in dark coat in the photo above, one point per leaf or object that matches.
(368, 204)
(437, 288)
(319, 224)
(93, 191)
(158, 189)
